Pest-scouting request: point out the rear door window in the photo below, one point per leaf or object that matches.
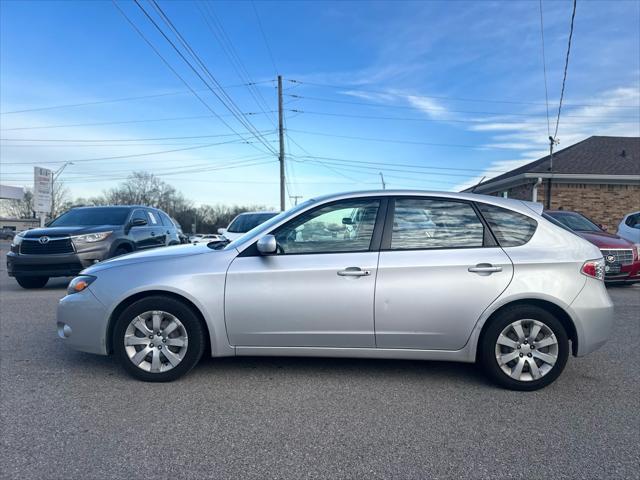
(510, 228)
(425, 223)
(166, 221)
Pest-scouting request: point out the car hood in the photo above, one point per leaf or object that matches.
(64, 231)
(152, 255)
(605, 240)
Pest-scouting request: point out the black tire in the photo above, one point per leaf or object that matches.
(32, 282)
(487, 353)
(120, 251)
(188, 318)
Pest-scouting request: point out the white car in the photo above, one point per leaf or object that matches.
(245, 222)
(351, 275)
(629, 227)
(207, 238)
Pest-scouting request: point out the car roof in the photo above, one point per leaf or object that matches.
(521, 206)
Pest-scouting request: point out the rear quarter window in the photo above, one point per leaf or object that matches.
(510, 228)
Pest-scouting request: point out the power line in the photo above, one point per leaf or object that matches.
(544, 69)
(428, 167)
(441, 97)
(418, 119)
(227, 101)
(173, 70)
(190, 137)
(112, 100)
(408, 142)
(566, 66)
(123, 156)
(264, 37)
(402, 170)
(230, 51)
(123, 122)
(409, 107)
(103, 178)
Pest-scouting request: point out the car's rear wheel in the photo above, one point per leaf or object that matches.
(32, 282)
(524, 348)
(158, 339)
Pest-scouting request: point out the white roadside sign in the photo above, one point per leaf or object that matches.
(42, 186)
(11, 193)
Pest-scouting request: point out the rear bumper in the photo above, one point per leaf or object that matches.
(593, 317)
(57, 265)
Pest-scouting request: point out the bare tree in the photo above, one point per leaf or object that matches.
(18, 208)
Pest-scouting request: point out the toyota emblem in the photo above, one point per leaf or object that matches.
(611, 258)
(43, 240)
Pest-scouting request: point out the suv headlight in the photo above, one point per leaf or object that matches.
(78, 284)
(92, 237)
(17, 240)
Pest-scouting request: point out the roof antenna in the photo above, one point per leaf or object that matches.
(477, 184)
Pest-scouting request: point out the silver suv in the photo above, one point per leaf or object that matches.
(382, 274)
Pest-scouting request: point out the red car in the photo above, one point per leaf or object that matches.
(622, 258)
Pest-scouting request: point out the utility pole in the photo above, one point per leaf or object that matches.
(281, 136)
(552, 143)
(384, 185)
(295, 198)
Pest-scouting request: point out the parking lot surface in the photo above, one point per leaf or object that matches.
(72, 415)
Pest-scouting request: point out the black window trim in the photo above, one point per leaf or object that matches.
(488, 240)
(376, 236)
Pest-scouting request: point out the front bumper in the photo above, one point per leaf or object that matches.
(628, 274)
(54, 265)
(593, 317)
(82, 322)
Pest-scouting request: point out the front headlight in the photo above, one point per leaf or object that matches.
(17, 240)
(637, 245)
(92, 237)
(78, 284)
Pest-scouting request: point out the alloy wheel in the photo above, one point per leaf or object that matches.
(526, 350)
(156, 341)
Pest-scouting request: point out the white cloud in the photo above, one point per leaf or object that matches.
(576, 124)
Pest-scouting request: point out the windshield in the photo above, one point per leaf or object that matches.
(575, 222)
(269, 223)
(87, 217)
(246, 221)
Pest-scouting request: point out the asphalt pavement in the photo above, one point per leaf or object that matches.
(68, 415)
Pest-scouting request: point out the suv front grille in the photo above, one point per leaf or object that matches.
(32, 246)
(614, 259)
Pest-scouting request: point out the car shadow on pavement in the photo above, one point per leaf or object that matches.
(247, 369)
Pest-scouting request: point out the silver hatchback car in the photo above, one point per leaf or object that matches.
(380, 274)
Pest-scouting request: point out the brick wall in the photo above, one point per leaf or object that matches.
(603, 203)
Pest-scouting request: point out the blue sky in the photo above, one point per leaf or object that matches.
(436, 94)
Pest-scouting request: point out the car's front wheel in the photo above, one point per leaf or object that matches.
(32, 282)
(158, 339)
(524, 348)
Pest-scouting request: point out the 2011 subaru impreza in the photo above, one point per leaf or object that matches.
(381, 274)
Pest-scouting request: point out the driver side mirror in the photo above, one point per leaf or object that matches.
(135, 222)
(138, 222)
(267, 245)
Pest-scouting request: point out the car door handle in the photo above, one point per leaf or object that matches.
(153, 234)
(484, 269)
(354, 272)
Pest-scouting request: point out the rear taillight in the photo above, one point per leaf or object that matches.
(594, 269)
